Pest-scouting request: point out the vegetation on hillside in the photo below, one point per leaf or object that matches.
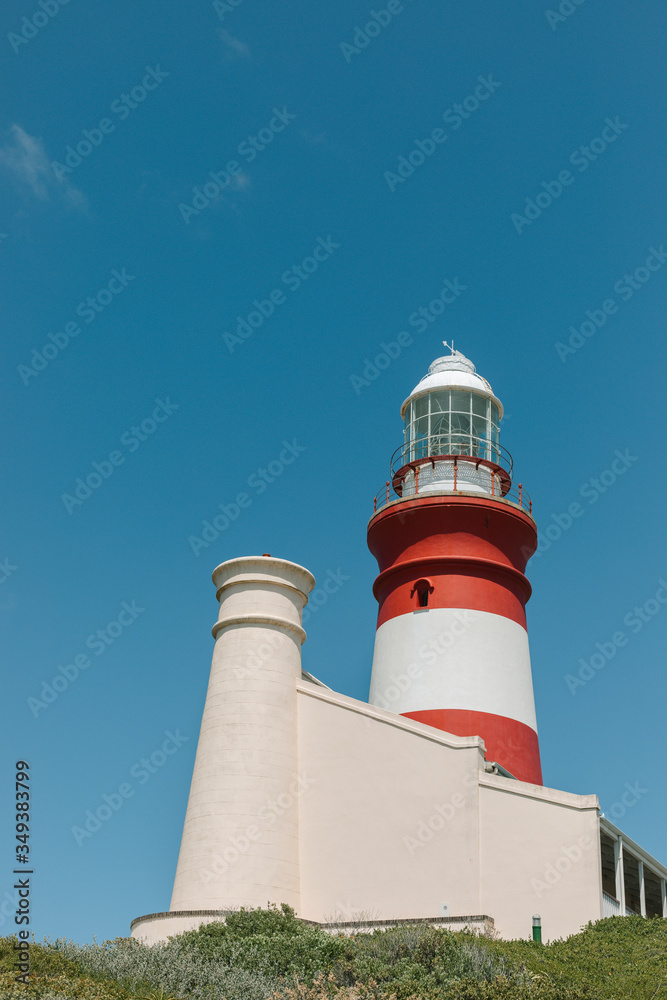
(271, 955)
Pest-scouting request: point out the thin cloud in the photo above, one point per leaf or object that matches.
(24, 156)
(234, 47)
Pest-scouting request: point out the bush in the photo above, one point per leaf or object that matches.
(272, 942)
(616, 958)
(166, 967)
(421, 959)
(270, 955)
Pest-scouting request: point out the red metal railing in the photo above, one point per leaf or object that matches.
(496, 484)
(454, 443)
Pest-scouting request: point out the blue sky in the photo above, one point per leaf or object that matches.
(191, 316)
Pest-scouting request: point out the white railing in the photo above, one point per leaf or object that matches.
(611, 907)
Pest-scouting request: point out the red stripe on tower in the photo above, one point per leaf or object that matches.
(452, 536)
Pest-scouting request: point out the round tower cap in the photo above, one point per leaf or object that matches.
(453, 371)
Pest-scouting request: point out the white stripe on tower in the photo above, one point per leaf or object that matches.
(454, 658)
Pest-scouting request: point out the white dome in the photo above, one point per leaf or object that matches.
(454, 371)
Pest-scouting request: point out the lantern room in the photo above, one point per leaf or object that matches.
(451, 437)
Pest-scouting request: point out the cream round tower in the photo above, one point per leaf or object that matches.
(240, 839)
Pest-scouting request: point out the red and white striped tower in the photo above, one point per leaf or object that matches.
(452, 534)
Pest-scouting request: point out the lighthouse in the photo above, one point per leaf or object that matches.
(452, 532)
(406, 807)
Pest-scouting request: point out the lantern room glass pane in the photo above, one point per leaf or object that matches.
(452, 422)
(460, 401)
(439, 402)
(480, 406)
(440, 423)
(480, 430)
(421, 427)
(461, 422)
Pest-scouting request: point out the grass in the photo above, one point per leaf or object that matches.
(270, 955)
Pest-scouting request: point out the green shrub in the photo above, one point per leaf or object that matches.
(617, 958)
(165, 967)
(270, 955)
(420, 959)
(272, 942)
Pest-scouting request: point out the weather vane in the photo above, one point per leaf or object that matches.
(451, 348)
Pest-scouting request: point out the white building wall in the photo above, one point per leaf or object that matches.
(389, 818)
(540, 853)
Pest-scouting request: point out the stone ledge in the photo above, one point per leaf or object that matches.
(482, 921)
